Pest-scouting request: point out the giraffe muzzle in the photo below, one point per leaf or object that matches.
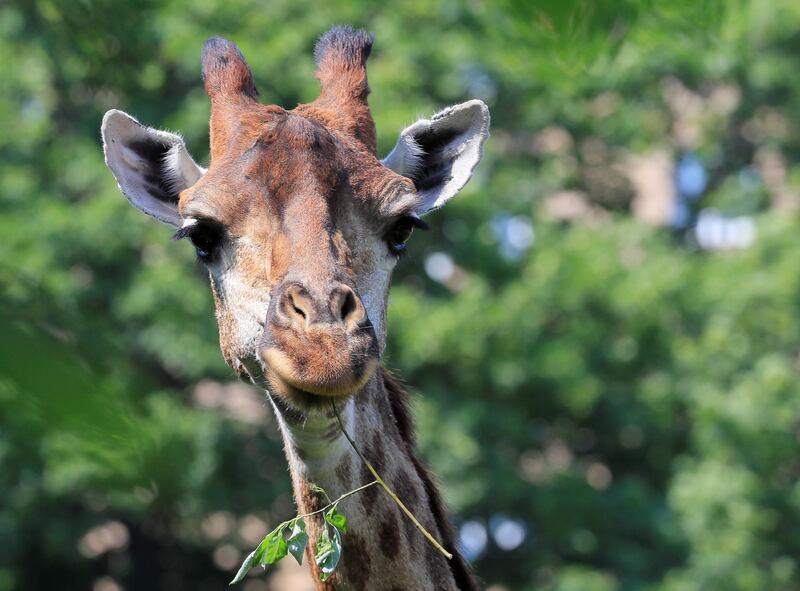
(317, 345)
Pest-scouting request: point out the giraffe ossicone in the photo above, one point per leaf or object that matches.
(300, 226)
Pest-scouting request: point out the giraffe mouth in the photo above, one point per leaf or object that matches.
(251, 371)
(298, 397)
(283, 379)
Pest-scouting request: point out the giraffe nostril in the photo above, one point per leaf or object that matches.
(348, 305)
(296, 306)
(297, 309)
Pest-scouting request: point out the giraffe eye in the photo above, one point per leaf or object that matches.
(400, 232)
(205, 235)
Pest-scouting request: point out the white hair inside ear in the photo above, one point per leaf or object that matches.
(180, 170)
(407, 156)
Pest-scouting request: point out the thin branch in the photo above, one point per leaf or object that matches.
(336, 502)
(388, 490)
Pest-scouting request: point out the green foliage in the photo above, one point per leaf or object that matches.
(631, 399)
(327, 549)
(336, 519)
(273, 547)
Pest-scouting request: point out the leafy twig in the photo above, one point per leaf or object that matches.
(327, 550)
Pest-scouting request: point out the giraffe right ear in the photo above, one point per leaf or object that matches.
(151, 166)
(440, 153)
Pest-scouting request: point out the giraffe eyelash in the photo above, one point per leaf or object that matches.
(186, 229)
(399, 233)
(182, 233)
(206, 236)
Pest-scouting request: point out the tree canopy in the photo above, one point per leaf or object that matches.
(602, 330)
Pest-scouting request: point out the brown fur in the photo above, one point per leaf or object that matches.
(361, 569)
(341, 57)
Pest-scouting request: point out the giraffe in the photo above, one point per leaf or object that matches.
(299, 225)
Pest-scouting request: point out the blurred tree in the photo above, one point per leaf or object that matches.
(624, 398)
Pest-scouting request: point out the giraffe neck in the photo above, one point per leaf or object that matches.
(382, 550)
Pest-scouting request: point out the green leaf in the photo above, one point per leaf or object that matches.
(267, 552)
(298, 540)
(276, 545)
(327, 553)
(336, 519)
(248, 563)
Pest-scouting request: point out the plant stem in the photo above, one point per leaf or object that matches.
(336, 502)
(388, 490)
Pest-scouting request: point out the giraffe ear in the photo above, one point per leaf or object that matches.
(152, 167)
(440, 153)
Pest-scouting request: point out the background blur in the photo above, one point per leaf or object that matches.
(608, 382)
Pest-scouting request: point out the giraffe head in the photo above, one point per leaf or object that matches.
(297, 221)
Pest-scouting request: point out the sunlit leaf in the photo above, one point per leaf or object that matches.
(298, 540)
(249, 562)
(327, 552)
(336, 519)
(276, 545)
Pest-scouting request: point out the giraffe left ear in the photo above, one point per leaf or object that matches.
(440, 153)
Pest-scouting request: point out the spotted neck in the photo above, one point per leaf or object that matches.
(382, 550)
